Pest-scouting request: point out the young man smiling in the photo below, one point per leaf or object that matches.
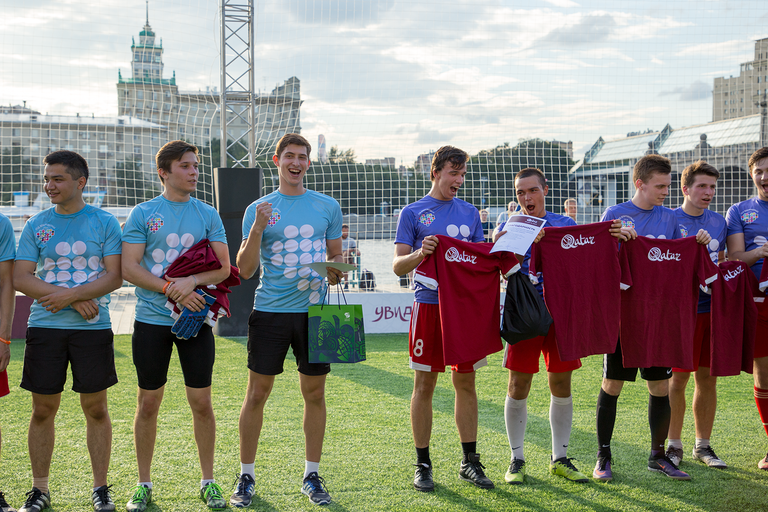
(155, 234)
(747, 234)
(699, 181)
(284, 230)
(68, 260)
(439, 213)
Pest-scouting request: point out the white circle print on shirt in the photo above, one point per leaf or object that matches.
(453, 231)
(72, 267)
(175, 247)
(297, 250)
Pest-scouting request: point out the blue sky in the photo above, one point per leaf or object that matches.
(397, 78)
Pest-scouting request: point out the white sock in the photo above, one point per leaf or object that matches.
(675, 443)
(148, 485)
(310, 467)
(248, 469)
(702, 443)
(205, 482)
(560, 420)
(516, 416)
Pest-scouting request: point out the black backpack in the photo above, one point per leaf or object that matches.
(367, 281)
(525, 314)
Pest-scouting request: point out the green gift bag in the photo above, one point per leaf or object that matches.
(336, 333)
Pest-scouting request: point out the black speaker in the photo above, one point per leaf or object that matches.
(235, 189)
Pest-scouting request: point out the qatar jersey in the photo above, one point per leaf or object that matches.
(733, 319)
(581, 289)
(660, 280)
(465, 276)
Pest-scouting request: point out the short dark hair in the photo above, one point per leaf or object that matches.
(700, 168)
(649, 164)
(75, 164)
(445, 154)
(756, 157)
(532, 171)
(292, 138)
(345, 226)
(171, 152)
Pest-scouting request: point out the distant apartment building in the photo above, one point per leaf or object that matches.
(740, 96)
(118, 151)
(383, 162)
(194, 115)
(423, 162)
(565, 146)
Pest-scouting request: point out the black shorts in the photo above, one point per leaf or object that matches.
(152, 348)
(48, 352)
(613, 368)
(270, 335)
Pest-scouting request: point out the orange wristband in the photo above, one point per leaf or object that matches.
(165, 287)
(7, 342)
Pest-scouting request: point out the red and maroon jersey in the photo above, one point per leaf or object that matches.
(466, 276)
(733, 319)
(581, 287)
(660, 280)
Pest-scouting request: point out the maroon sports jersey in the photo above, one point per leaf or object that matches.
(581, 287)
(733, 319)
(466, 276)
(660, 280)
(764, 276)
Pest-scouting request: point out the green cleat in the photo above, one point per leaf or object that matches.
(516, 473)
(212, 495)
(564, 467)
(142, 495)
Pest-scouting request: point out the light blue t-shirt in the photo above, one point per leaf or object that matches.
(168, 229)
(7, 239)
(69, 251)
(429, 216)
(295, 235)
(714, 224)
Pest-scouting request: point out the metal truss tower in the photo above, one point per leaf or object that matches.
(237, 82)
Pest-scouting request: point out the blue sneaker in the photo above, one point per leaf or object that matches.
(314, 489)
(602, 470)
(662, 464)
(245, 488)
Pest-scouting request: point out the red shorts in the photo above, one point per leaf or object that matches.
(524, 356)
(4, 383)
(761, 332)
(425, 342)
(701, 340)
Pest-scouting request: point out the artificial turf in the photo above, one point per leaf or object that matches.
(368, 452)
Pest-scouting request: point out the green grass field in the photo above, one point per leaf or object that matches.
(368, 448)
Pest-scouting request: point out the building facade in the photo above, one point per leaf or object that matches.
(194, 115)
(739, 96)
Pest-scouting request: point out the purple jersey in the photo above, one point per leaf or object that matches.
(658, 222)
(429, 216)
(751, 218)
(553, 220)
(715, 225)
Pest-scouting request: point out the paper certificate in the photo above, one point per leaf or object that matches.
(521, 231)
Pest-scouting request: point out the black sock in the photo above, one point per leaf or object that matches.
(468, 448)
(422, 456)
(605, 419)
(659, 413)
